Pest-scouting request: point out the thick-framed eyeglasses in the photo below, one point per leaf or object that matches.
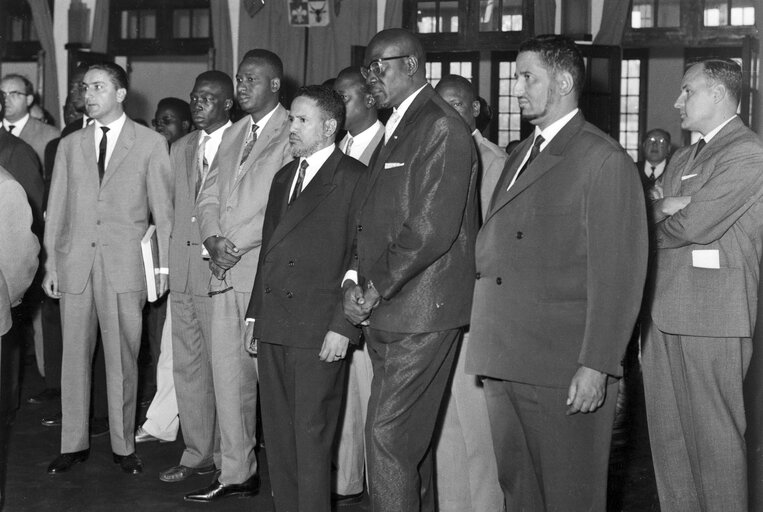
(12, 94)
(375, 66)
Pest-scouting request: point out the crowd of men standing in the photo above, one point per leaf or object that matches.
(340, 276)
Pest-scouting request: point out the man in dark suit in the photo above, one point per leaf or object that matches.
(107, 179)
(707, 233)
(561, 264)
(190, 304)
(296, 312)
(415, 260)
(656, 150)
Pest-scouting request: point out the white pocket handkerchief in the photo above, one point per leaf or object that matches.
(688, 176)
(706, 258)
(392, 165)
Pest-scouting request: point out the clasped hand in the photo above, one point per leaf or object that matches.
(222, 252)
(358, 303)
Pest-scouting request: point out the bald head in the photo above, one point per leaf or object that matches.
(458, 92)
(394, 66)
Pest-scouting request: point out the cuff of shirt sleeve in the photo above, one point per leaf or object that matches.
(352, 275)
(161, 270)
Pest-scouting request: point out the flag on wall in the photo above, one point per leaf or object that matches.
(308, 13)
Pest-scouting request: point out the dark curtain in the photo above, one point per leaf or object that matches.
(43, 23)
(545, 16)
(221, 35)
(100, 41)
(393, 14)
(614, 17)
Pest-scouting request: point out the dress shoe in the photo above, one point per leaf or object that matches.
(217, 490)
(341, 500)
(180, 472)
(130, 463)
(46, 395)
(99, 427)
(65, 461)
(52, 421)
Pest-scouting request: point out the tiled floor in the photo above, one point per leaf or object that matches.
(99, 486)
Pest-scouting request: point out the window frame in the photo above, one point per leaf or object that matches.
(641, 54)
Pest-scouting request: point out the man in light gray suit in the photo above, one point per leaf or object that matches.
(191, 307)
(708, 238)
(231, 209)
(364, 133)
(107, 179)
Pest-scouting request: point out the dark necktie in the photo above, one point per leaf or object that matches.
(300, 180)
(652, 177)
(10, 128)
(102, 155)
(534, 152)
(249, 144)
(700, 145)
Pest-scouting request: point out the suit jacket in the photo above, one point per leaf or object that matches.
(725, 215)
(18, 252)
(19, 159)
(365, 157)
(418, 220)
(50, 154)
(189, 272)
(297, 294)
(232, 204)
(492, 160)
(84, 215)
(561, 262)
(38, 134)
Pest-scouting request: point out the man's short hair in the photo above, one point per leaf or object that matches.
(328, 101)
(726, 72)
(116, 73)
(178, 106)
(353, 73)
(28, 87)
(267, 57)
(458, 82)
(220, 78)
(558, 54)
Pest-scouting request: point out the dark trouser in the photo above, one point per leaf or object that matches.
(548, 461)
(411, 372)
(300, 397)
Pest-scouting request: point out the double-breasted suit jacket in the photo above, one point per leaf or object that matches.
(560, 264)
(417, 223)
(232, 202)
(725, 182)
(297, 295)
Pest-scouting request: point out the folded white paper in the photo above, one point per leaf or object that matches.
(706, 258)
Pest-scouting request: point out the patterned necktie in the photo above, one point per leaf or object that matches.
(300, 180)
(202, 166)
(348, 146)
(539, 140)
(392, 122)
(249, 144)
(102, 155)
(652, 177)
(10, 128)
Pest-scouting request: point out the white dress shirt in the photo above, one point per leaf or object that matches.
(314, 163)
(18, 125)
(213, 143)
(398, 113)
(360, 141)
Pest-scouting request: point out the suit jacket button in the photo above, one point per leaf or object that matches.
(477, 275)
(291, 263)
(289, 294)
(98, 223)
(267, 289)
(498, 280)
(188, 243)
(360, 227)
(92, 244)
(520, 234)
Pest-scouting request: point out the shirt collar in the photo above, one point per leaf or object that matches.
(217, 134)
(364, 137)
(406, 103)
(712, 133)
(317, 159)
(114, 126)
(554, 128)
(262, 122)
(18, 125)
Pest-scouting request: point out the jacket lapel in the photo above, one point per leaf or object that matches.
(87, 143)
(121, 149)
(549, 158)
(268, 133)
(313, 195)
(190, 158)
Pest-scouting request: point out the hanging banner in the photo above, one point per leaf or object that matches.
(308, 13)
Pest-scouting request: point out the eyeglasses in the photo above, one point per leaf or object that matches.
(375, 66)
(12, 94)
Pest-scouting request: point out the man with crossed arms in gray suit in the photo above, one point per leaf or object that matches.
(708, 238)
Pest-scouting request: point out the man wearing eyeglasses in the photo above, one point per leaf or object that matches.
(414, 236)
(656, 150)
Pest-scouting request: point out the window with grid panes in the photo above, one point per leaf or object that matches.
(630, 106)
(500, 15)
(437, 16)
(439, 65)
(719, 13)
(655, 13)
(505, 104)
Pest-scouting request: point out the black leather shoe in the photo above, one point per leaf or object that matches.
(52, 421)
(180, 472)
(46, 395)
(130, 463)
(342, 500)
(217, 490)
(65, 461)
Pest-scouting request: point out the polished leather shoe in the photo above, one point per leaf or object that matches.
(180, 472)
(65, 461)
(130, 463)
(52, 421)
(217, 490)
(342, 500)
(46, 395)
